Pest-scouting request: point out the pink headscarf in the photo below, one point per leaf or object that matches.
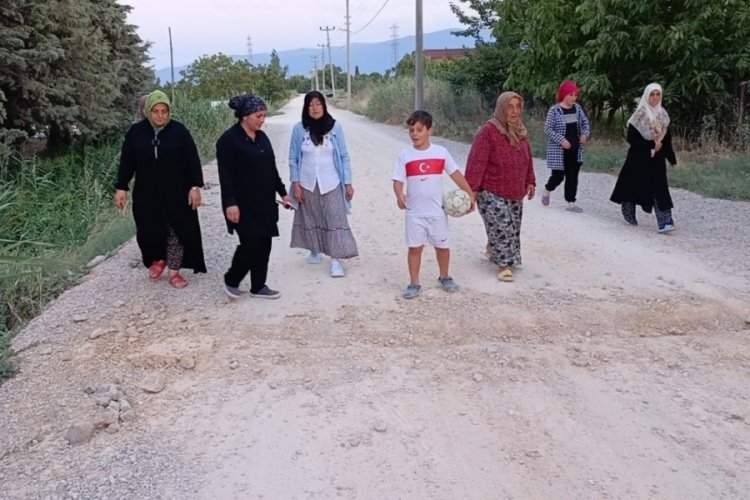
(566, 88)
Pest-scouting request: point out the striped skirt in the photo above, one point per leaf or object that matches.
(321, 225)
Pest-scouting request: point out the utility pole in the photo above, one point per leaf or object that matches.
(323, 65)
(314, 80)
(348, 59)
(330, 61)
(394, 45)
(171, 62)
(418, 62)
(250, 49)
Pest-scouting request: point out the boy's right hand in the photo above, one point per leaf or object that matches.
(401, 201)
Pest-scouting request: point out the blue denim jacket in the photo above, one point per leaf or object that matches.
(340, 157)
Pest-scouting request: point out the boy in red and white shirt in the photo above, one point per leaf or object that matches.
(420, 168)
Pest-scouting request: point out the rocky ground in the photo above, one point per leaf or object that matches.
(616, 366)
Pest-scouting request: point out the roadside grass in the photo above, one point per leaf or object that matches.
(56, 214)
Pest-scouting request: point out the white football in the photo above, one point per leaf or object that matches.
(456, 203)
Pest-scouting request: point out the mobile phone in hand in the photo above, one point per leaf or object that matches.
(285, 205)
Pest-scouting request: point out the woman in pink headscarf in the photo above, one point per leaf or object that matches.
(643, 177)
(567, 130)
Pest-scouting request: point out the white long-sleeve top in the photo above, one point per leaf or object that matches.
(317, 166)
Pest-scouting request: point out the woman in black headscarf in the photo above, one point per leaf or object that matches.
(249, 183)
(321, 177)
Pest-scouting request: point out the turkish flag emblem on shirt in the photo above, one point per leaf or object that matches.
(425, 167)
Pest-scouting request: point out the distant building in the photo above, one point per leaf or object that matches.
(447, 54)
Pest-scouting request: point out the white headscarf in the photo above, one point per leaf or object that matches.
(650, 121)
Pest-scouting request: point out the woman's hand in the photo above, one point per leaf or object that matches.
(530, 190)
(233, 214)
(298, 193)
(584, 138)
(349, 192)
(121, 199)
(565, 144)
(194, 198)
(657, 145)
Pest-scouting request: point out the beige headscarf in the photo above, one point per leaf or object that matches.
(514, 131)
(650, 121)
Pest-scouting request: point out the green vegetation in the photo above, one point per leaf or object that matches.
(698, 50)
(71, 70)
(220, 77)
(457, 114)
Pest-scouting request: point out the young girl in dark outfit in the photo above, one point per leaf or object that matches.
(567, 130)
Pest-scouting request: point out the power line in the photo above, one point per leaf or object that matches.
(328, 38)
(373, 18)
(394, 44)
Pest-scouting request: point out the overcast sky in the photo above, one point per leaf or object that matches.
(205, 27)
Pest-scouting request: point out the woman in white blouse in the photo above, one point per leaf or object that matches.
(321, 177)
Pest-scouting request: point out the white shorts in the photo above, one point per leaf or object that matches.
(432, 230)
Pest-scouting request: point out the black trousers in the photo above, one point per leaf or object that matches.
(570, 174)
(251, 256)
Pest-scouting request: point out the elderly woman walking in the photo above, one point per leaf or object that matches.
(500, 171)
(161, 154)
(643, 177)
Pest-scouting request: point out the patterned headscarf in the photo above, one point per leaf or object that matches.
(650, 121)
(514, 131)
(246, 104)
(154, 98)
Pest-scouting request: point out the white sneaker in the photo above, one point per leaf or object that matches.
(337, 270)
(313, 258)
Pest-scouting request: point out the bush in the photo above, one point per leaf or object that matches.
(457, 114)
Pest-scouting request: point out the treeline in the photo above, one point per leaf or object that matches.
(219, 77)
(699, 50)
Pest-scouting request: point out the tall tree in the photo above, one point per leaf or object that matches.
(67, 65)
(217, 77)
(272, 76)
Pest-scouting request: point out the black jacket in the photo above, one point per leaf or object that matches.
(643, 179)
(165, 165)
(250, 180)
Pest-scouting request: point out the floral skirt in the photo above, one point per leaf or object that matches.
(502, 222)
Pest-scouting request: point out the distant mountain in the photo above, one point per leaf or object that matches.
(367, 57)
